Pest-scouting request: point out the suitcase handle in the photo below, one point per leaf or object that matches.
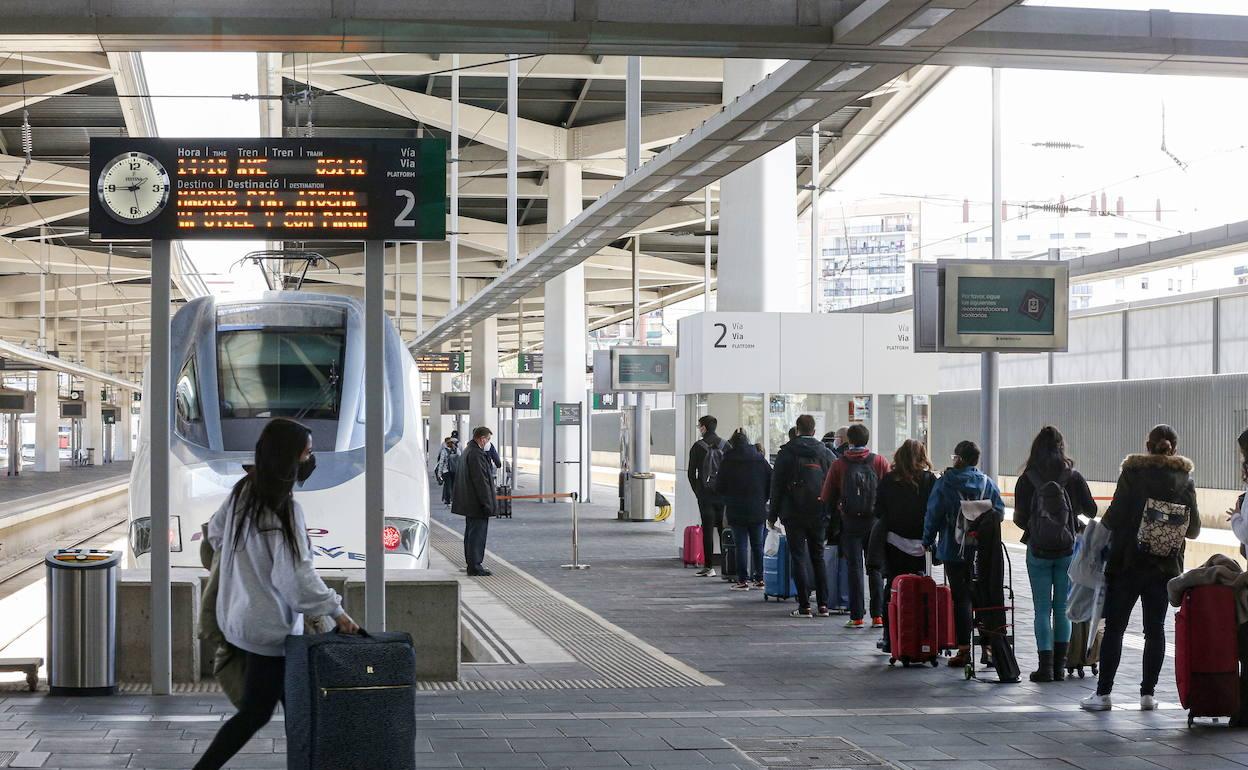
(361, 632)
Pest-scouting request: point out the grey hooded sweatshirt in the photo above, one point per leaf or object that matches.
(264, 589)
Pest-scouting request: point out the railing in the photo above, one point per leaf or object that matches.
(576, 535)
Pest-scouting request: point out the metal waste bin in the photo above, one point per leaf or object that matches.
(641, 497)
(82, 621)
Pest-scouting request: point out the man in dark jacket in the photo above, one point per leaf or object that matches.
(710, 503)
(801, 465)
(857, 467)
(474, 499)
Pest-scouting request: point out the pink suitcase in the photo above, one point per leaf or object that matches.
(692, 552)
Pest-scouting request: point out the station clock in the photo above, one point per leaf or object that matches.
(133, 188)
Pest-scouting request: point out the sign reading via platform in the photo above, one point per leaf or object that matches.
(529, 363)
(258, 189)
(446, 363)
(567, 414)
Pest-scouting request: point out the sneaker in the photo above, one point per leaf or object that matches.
(739, 587)
(759, 584)
(1096, 702)
(823, 612)
(855, 624)
(1148, 703)
(801, 613)
(877, 622)
(705, 572)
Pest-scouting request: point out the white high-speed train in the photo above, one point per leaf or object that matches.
(237, 364)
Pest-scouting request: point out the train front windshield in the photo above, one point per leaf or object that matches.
(281, 373)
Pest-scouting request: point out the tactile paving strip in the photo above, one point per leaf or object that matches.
(617, 660)
(809, 753)
(6, 757)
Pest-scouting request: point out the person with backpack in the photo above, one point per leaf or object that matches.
(266, 581)
(961, 491)
(745, 484)
(1152, 512)
(900, 505)
(447, 465)
(796, 484)
(849, 490)
(705, 457)
(1049, 497)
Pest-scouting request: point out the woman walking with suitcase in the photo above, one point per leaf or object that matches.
(1153, 510)
(267, 582)
(1048, 499)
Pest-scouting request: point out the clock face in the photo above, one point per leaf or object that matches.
(133, 187)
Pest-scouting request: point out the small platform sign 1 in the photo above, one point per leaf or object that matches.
(529, 363)
(268, 189)
(567, 414)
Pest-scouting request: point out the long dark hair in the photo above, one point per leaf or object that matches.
(1243, 453)
(1048, 453)
(910, 462)
(269, 484)
(1162, 440)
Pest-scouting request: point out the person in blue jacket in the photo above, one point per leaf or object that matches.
(964, 481)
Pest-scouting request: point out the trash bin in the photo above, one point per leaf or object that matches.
(641, 497)
(82, 621)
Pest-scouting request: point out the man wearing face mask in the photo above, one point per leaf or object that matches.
(474, 499)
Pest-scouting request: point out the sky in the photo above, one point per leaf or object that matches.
(203, 74)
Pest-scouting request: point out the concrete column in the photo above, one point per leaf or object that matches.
(484, 370)
(437, 428)
(759, 269)
(121, 431)
(47, 420)
(563, 364)
(93, 423)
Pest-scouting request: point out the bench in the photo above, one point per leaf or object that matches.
(28, 666)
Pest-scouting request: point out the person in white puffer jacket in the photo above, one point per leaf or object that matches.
(266, 579)
(1239, 514)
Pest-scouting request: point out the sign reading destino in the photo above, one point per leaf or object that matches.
(256, 189)
(1018, 306)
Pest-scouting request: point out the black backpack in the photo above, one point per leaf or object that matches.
(1051, 528)
(711, 461)
(858, 485)
(806, 487)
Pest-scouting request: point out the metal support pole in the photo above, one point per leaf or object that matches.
(513, 98)
(589, 444)
(420, 288)
(576, 539)
(161, 415)
(374, 434)
(989, 380)
(454, 184)
(706, 249)
(398, 287)
(815, 252)
(43, 291)
(632, 114)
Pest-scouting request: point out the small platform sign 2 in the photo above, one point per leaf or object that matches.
(567, 414)
(262, 189)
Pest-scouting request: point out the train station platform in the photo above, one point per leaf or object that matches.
(636, 662)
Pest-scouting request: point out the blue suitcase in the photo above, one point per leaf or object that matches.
(838, 578)
(350, 702)
(778, 574)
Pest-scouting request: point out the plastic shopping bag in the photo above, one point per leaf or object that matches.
(771, 546)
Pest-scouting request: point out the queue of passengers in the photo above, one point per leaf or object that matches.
(836, 491)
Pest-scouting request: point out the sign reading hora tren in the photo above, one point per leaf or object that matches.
(256, 189)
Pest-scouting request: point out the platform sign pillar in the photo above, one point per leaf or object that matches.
(161, 415)
(374, 435)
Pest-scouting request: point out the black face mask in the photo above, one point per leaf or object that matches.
(305, 469)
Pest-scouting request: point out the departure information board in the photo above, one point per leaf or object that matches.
(432, 363)
(268, 189)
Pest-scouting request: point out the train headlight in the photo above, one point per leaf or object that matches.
(407, 536)
(141, 535)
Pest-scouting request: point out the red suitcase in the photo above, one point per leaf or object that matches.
(1206, 653)
(692, 552)
(913, 621)
(948, 628)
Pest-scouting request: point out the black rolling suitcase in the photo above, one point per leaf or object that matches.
(350, 702)
(503, 509)
(728, 548)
